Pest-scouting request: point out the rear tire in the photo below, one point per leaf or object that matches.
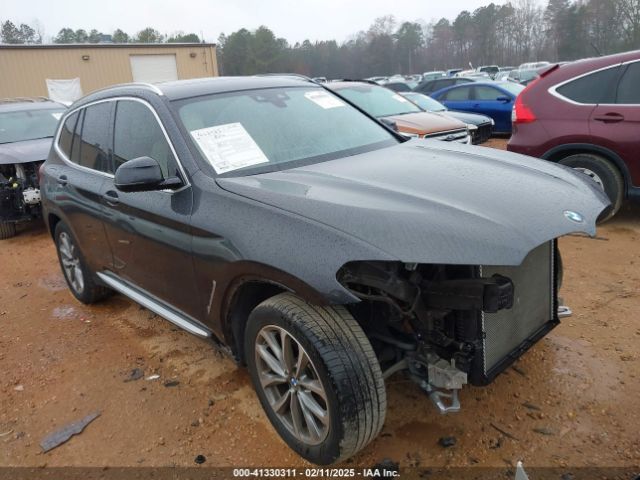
(605, 174)
(80, 279)
(7, 230)
(342, 366)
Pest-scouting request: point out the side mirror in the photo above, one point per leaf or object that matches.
(142, 174)
(503, 99)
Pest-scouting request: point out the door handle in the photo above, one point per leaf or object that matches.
(609, 118)
(111, 198)
(63, 180)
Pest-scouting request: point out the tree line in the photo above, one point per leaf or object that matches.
(508, 34)
(505, 34)
(27, 34)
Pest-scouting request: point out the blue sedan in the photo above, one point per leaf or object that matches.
(493, 99)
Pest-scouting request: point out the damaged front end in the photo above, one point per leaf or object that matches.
(19, 192)
(449, 325)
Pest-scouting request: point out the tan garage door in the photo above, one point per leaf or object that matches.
(153, 68)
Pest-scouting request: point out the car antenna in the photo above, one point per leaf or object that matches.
(596, 49)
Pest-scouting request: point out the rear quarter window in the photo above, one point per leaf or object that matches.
(66, 134)
(629, 87)
(598, 87)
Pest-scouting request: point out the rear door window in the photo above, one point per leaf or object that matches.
(94, 149)
(598, 87)
(629, 87)
(459, 94)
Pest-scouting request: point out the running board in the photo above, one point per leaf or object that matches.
(179, 320)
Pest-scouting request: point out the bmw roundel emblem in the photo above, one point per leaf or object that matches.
(574, 216)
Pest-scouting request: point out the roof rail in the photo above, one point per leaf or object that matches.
(148, 86)
(296, 75)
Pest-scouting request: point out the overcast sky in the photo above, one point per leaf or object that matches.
(291, 19)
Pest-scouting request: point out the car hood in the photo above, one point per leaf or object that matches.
(428, 202)
(425, 123)
(25, 152)
(472, 118)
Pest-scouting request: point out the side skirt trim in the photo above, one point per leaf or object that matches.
(174, 317)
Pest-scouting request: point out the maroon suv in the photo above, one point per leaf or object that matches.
(586, 115)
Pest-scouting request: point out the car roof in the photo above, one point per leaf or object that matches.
(180, 89)
(25, 105)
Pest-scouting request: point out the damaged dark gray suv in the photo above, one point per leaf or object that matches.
(323, 250)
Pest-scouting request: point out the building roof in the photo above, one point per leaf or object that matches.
(22, 46)
(26, 104)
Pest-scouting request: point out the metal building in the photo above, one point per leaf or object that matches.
(24, 69)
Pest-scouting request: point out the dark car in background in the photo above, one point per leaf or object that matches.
(26, 129)
(394, 109)
(322, 250)
(493, 99)
(586, 115)
(427, 87)
(398, 86)
(483, 124)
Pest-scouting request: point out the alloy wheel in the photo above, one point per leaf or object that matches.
(592, 175)
(291, 384)
(70, 262)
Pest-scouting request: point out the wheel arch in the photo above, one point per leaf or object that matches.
(558, 153)
(245, 292)
(52, 222)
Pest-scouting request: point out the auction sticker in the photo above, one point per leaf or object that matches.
(228, 147)
(324, 99)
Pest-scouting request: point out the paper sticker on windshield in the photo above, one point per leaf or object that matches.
(400, 98)
(56, 115)
(228, 147)
(324, 99)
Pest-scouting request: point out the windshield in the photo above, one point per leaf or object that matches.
(425, 102)
(514, 88)
(378, 101)
(272, 129)
(28, 124)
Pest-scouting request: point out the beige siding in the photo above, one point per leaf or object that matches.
(23, 70)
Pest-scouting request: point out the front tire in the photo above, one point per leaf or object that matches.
(7, 230)
(80, 279)
(604, 174)
(317, 377)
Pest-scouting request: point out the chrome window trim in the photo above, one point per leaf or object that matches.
(553, 90)
(66, 159)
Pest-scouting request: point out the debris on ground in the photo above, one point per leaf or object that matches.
(172, 383)
(446, 442)
(531, 406)
(61, 436)
(503, 431)
(544, 431)
(136, 374)
(19, 388)
(200, 459)
(153, 377)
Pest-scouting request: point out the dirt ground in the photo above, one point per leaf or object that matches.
(570, 401)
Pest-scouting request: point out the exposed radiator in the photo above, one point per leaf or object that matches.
(505, 333)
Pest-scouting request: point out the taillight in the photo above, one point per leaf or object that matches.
(521, 112)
